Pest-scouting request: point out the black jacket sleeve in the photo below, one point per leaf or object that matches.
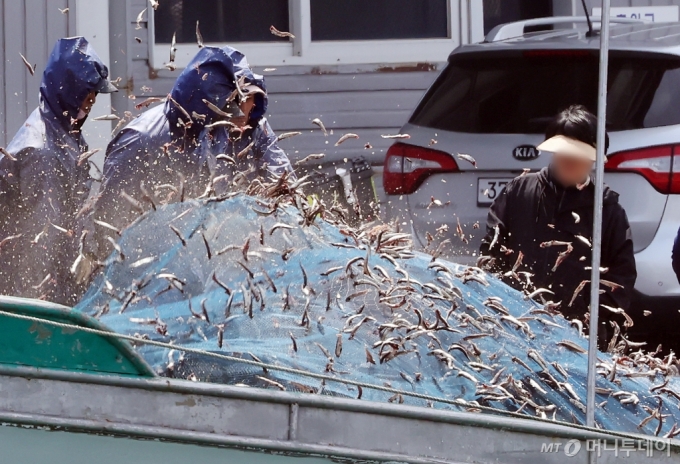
(618, 256)
(498, 217)
(676, 256)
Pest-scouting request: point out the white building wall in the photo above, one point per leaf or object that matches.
(92, 22)
(369, 88)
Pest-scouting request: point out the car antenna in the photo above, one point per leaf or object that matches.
(591, 32)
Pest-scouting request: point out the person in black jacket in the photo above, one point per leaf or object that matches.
(542, 223)
(676, 256)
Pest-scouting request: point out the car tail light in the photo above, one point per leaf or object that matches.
(659, 165)
(407, 167)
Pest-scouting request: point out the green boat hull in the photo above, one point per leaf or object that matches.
(69, 396)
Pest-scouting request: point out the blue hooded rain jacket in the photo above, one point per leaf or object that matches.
(168, 151)
(44, 187)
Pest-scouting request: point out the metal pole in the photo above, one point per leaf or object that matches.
(597, 222)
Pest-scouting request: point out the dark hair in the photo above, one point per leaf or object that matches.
(576, 122)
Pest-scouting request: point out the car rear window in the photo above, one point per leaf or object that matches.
(520, 93)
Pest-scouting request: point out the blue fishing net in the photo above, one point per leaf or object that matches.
(244, 278)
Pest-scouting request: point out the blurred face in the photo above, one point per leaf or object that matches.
(246, 108)
(86, 107)
(571, 170)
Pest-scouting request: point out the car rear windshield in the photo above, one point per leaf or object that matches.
(488, 93)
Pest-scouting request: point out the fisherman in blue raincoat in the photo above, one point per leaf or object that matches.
(171, 152)
(45, 181)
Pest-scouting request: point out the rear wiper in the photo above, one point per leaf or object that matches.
(591, 32)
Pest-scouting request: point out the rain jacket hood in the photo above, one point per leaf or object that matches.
(212, 76)
(73, 71)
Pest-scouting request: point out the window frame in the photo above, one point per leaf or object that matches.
(465, 25)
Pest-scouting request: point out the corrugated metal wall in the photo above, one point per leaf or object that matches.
(30, 27)
(369, 99)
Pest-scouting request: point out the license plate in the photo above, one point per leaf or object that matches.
(488, 189)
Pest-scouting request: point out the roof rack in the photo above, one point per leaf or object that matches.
(516, 29)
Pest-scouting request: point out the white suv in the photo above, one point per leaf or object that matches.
(493, 102)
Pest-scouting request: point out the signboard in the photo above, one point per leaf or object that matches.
(654, 14)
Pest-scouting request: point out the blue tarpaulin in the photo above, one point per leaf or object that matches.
(235, 278)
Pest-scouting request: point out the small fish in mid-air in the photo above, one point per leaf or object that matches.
(87, 155)
(578, 290)
(496, 235)
(561, 258)
(107, 117)
(434, 202)
(396, 136)
(245, 151)
(279, 33)
(173, 53)
(199, 36)
(43, 282)
(182, 110)
(198, 116)
(31, 67)
(346, 137)
(4, 152)
(468, 158)
(287, 135)
(220, 124)
(612, 285)
(6, 240)
(537, 292)
(140, 18)
(459, 231)
(584, 240)
(313, 156)
(106, 225)
(319, 123)
(583, 185)
(147, 102)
